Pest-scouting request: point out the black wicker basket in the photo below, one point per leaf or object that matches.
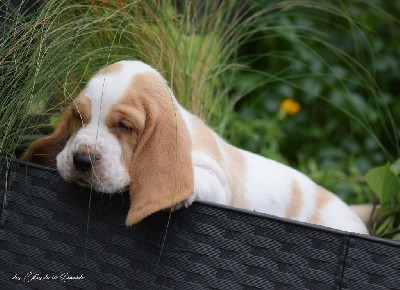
(55, 235)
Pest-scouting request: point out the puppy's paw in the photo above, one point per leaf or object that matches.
(185, 203)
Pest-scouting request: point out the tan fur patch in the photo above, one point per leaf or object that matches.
(45, 150)
(131, 113)
(132, 118)
(296, 201)
(233, 162)
(110, 69)
(322, 197)
(204, 139)
(82, 108)
(161, 171)
(236, 166)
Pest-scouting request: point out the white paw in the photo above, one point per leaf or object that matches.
(185, 203)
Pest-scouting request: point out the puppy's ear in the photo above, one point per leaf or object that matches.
(161, 169)
(45, 150)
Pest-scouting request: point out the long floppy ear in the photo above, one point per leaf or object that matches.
(161, 169)
(45, 150)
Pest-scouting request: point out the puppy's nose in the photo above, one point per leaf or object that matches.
(83, 161)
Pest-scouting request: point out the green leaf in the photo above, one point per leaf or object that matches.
(386, 226)
(54, 121)
(384, 182)
(396, 237)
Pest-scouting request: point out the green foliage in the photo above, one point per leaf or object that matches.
(339, 63)
(385, 182)
(47, 56)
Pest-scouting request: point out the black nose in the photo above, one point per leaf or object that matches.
(82, 162)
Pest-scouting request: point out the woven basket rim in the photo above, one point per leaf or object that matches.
(375, 239)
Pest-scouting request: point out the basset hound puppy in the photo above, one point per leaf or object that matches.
(126, 132)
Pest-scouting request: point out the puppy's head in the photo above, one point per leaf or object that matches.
(123, 132)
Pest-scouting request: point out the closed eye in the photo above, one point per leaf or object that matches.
(123, 127)
(78, 116)
(81, 111)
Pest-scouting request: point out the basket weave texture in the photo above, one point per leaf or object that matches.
(64, 231)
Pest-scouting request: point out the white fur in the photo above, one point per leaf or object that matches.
(210, 182)
(268, 189)
(266, 184)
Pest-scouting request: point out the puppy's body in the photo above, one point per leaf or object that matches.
(127, 131)
(231, 176)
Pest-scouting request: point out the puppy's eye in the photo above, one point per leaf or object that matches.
(123, 127)
(78, 116)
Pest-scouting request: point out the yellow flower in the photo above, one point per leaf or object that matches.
(290, 107)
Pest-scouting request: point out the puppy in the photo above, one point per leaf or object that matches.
(126, 132)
